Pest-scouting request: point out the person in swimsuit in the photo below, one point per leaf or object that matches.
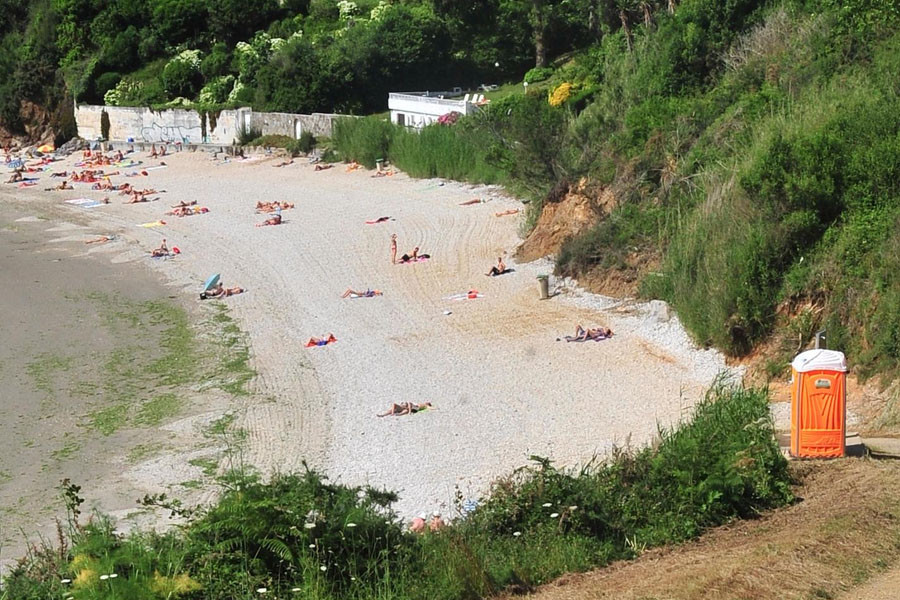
(366, 294)
(323, 167)
(322, 341)
(406, 408)
(163, 250)
(393, 248)
(410, 257)
(511, 211)
(582, 334)
(273, 220)
(500, 269)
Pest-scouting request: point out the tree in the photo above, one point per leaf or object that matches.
(179, 21)
(539, 18)
(232, 21)
(624, 7)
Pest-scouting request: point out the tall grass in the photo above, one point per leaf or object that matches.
(452, 152)
(328, 541)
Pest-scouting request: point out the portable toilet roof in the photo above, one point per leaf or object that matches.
(820, 360)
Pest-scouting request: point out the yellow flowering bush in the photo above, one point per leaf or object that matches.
(560, 94)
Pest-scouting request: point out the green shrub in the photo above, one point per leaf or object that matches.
(272, 141)
(304, 145)
(245, 136)
(537, 75)
(181, 80)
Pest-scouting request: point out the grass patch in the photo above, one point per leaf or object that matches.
(193, 484)
(110, 419)
(209, 466)
(43, 369)
(141, 452)
(234, 371)
(158, 409)
(67, 451)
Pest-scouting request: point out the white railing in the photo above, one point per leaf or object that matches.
(424, 100)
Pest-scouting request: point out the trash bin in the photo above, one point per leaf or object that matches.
(818, 404)
(379, 164)
(544, 283)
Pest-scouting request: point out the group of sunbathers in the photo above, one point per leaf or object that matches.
(188, 211)
(406, 408)
(160, 153)
(220, 291)
(269, 207)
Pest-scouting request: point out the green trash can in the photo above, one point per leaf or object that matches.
(544, 283)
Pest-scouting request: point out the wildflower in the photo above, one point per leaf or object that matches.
(351, 524)
(309, 525)
(554, 515)
(295, 589)
(104, 577)
(353, 579)
(573, 507)
(323, 568)
(517, 533)
(261, 590)
(113, 575)
(66, 581)
(313, 546)
(547, 505)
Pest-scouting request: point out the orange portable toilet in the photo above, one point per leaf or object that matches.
(818, 404)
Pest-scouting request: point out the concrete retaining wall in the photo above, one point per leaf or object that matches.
(179, 125)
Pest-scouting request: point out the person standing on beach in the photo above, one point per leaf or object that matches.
(393, 248)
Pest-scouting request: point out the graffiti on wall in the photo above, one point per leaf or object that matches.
(158, 132)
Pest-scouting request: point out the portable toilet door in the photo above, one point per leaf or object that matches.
(818, 404)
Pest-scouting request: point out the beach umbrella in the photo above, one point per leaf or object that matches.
(211, 282)
(46, 148)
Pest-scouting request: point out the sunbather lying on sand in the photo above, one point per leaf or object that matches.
(220, 291)
(273, 220)
(16, 177)
(184, 204)
(378, 220)
(582, 334)
(64, 185)
(353, 166)
(406, 408)
(323, 167)
(512, 211)
(473, 201)
(322, 341)
(500, 269)
(163, 250)
(101, 240)
(284, 164)
(366, 294)
(388, 173)
(138, 197)
(60, 174)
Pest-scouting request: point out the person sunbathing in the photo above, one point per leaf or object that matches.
(500, 269)
(405, 408)
(220, 291)
(163, 250)
(16, 177)
(583, 335)
(366, 294)
(153, 152)
(137, 197)
(269, 207)
(512, 211)
(378, 220)
(119, 156)
(184, 204)
(387, 173)
(353, 166)
(273, 220)
(473, 201)
(101, 240)
(64, 185)
(188, 211)
(125, 189)
(284, 163)
(323, 167)
(60, 174)
(415, 256)
(322, 341)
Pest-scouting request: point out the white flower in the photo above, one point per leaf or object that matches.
(295, 589)
(517, 533)
(309, 525)
(353, 579)
(104, 577)
(554, 515)
(547, 505)
(351, 524)
(323, 568)
(313, 546)
(66, 581)
(573, 507)
(261, 590)
(113, 575)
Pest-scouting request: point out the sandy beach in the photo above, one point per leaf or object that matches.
(502, 386)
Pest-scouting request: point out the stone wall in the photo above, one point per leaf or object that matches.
(179, 125)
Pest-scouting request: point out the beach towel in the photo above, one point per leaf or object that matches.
(84, 202)
(470, 295)
(379, 220)
(153, 224)
(155, 168)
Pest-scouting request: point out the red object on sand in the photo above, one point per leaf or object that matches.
(176, 250)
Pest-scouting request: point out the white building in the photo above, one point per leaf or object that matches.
(418, 109)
